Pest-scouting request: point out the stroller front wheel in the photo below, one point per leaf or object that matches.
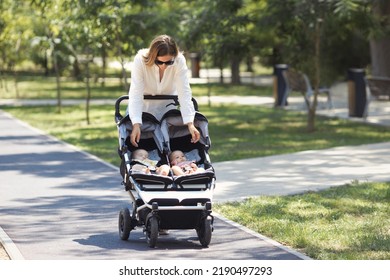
(124, 224)
(204, 232)
(152, 231)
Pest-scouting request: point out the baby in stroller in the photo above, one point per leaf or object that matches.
(142, 163)
(180, 164)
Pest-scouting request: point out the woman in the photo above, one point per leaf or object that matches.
(160, 70)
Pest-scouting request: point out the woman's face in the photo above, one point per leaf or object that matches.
(164, 61)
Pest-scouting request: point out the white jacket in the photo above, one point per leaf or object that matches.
(145, 80)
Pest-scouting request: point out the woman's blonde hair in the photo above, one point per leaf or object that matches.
(162, 45)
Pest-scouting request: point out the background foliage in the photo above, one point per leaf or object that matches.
(226, 33)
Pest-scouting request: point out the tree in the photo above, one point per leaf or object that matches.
(299, 39)
(52, 37)
(225, 32)
(218, 29)
(85, 39)
(14, 36)
(292, 24)
(380, 39)
(346, 25)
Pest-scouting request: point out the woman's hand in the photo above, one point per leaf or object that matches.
(194, 132)
(135, 134)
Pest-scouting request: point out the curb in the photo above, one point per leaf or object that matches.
(262, 237)
(9, 246)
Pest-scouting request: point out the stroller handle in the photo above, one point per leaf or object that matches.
(174, 98)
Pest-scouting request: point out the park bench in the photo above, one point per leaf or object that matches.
(378, 88)
(299, 82)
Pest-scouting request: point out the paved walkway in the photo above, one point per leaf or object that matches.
(303, 171)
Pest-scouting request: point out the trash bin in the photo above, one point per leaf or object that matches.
(357, 96)
(280, 86)
(195, 65)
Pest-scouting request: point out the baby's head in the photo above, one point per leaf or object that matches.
(140, 154)
(177, 156)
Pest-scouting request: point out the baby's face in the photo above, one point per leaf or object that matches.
(177, 157)
(142, 154)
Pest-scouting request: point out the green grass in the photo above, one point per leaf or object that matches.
(349, 222)
(226, 89)
(37, 87)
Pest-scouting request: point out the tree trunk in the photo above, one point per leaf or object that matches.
(46, 65)
(16, 84)
(221, 74)
(123, 80)
(235, 68)
(3, 82)
(104, 66)
(249, 63)
(126, 85)
(311, 119)
(379, 47)
(88, 91)
(76, 70)
(313, 106)
(56, 70)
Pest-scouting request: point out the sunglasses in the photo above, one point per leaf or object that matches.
(159, 62)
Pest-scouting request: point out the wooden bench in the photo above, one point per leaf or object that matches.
(378, 88)
(299, 82)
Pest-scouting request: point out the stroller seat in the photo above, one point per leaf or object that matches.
(151, 182)
(195, 181)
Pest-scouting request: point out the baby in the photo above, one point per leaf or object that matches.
(180, 165)
(147, 165)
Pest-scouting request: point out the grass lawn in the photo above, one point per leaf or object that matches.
(348, 222)
(37, 87)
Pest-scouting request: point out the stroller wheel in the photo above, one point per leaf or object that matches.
(204, 232)
(124, 224)
(152, 231)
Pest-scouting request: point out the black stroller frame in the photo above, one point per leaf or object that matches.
(166, 202)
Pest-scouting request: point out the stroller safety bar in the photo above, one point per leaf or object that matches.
(175, 208)
(174, 98)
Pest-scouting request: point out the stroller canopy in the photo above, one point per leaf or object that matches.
(172, 126)
(150, 129)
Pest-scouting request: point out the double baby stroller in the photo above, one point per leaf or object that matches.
(160, 202)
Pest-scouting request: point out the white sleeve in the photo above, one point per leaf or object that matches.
(184, 90)
(136, 91)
